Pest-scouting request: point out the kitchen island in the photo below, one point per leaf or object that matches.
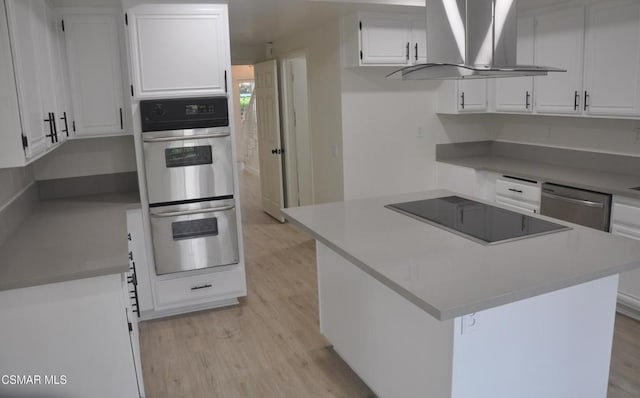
(416, 310)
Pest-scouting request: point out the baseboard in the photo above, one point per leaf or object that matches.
(628, 305)
(150, 315)
(13, 213)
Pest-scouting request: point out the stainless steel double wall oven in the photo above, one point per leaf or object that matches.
(190, 183)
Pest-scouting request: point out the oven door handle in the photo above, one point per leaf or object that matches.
(191, 212)
(580, 202)
(186, 137)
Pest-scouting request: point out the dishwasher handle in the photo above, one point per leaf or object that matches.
(580, 202)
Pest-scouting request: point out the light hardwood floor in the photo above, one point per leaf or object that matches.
(269, 345)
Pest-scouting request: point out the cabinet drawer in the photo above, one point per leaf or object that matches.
(519, 190)
(200, 288)
(624, 212)
(517, 205)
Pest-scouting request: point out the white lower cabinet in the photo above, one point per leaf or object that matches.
(74, 335)
(518, 195)
(625, 221)
(224, 284)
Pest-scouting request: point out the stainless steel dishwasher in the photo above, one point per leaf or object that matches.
(588, 208)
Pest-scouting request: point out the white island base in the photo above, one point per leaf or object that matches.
(553, 345)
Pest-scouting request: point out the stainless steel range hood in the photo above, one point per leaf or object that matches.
(471, 39)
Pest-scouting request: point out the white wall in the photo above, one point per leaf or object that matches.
(322, 46)
(604, 135)
(87, 157)
(246, 55)
(382, 151)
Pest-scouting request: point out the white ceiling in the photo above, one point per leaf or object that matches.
(256, 22)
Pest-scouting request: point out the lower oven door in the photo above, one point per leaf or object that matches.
(183, 165)
(193, 236)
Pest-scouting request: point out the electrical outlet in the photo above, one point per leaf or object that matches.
(420, 133)
(469, 323)
(548, 131)
(637, 137)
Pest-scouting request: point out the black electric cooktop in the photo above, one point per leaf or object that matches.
(476, 221)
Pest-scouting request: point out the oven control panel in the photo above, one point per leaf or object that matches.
(184, 113)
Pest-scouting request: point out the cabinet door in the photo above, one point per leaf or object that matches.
(612, 72)
(472, 95)
(418, 40)
(515, 94)
(22, 25)
(385, 40)
(95, 75)
(179, 50)
(559, 41)
(60, 101)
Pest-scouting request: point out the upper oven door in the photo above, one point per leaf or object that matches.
(184, 165)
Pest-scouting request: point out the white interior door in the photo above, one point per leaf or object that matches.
(269, 144)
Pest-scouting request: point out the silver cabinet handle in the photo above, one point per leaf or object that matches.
(186, 137)
(191, 212)
(580, 202)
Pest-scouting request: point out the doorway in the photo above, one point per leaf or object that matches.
(245, 118)
(298, 161)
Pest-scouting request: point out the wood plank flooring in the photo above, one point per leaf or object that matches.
(269, 345)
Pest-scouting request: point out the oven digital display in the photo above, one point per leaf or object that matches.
(194, 228)
(199, 109)
(188, 156)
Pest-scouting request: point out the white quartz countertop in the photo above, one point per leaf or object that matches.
(448, 275)
(613, 183)
(68, 239)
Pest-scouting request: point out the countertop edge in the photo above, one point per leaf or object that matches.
(116, 269)
(454, 312)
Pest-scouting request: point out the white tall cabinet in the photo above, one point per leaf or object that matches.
(179, 50)
(93, 48)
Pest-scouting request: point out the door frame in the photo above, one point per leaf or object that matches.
(288, 131)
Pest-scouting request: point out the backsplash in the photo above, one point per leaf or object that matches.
(12, 212)
(616, 136)
(12, 181)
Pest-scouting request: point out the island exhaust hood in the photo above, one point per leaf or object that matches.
(471, 39)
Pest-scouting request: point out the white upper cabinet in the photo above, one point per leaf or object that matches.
(419, 39)
(516, 94)
(463, 96)
(384, 39)
(612, 59)
(179, 50)
(472, 95)
(39, 83)
(559, 42)
(95, 72)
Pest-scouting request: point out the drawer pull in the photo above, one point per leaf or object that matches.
(208, 285)
(515, 190)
